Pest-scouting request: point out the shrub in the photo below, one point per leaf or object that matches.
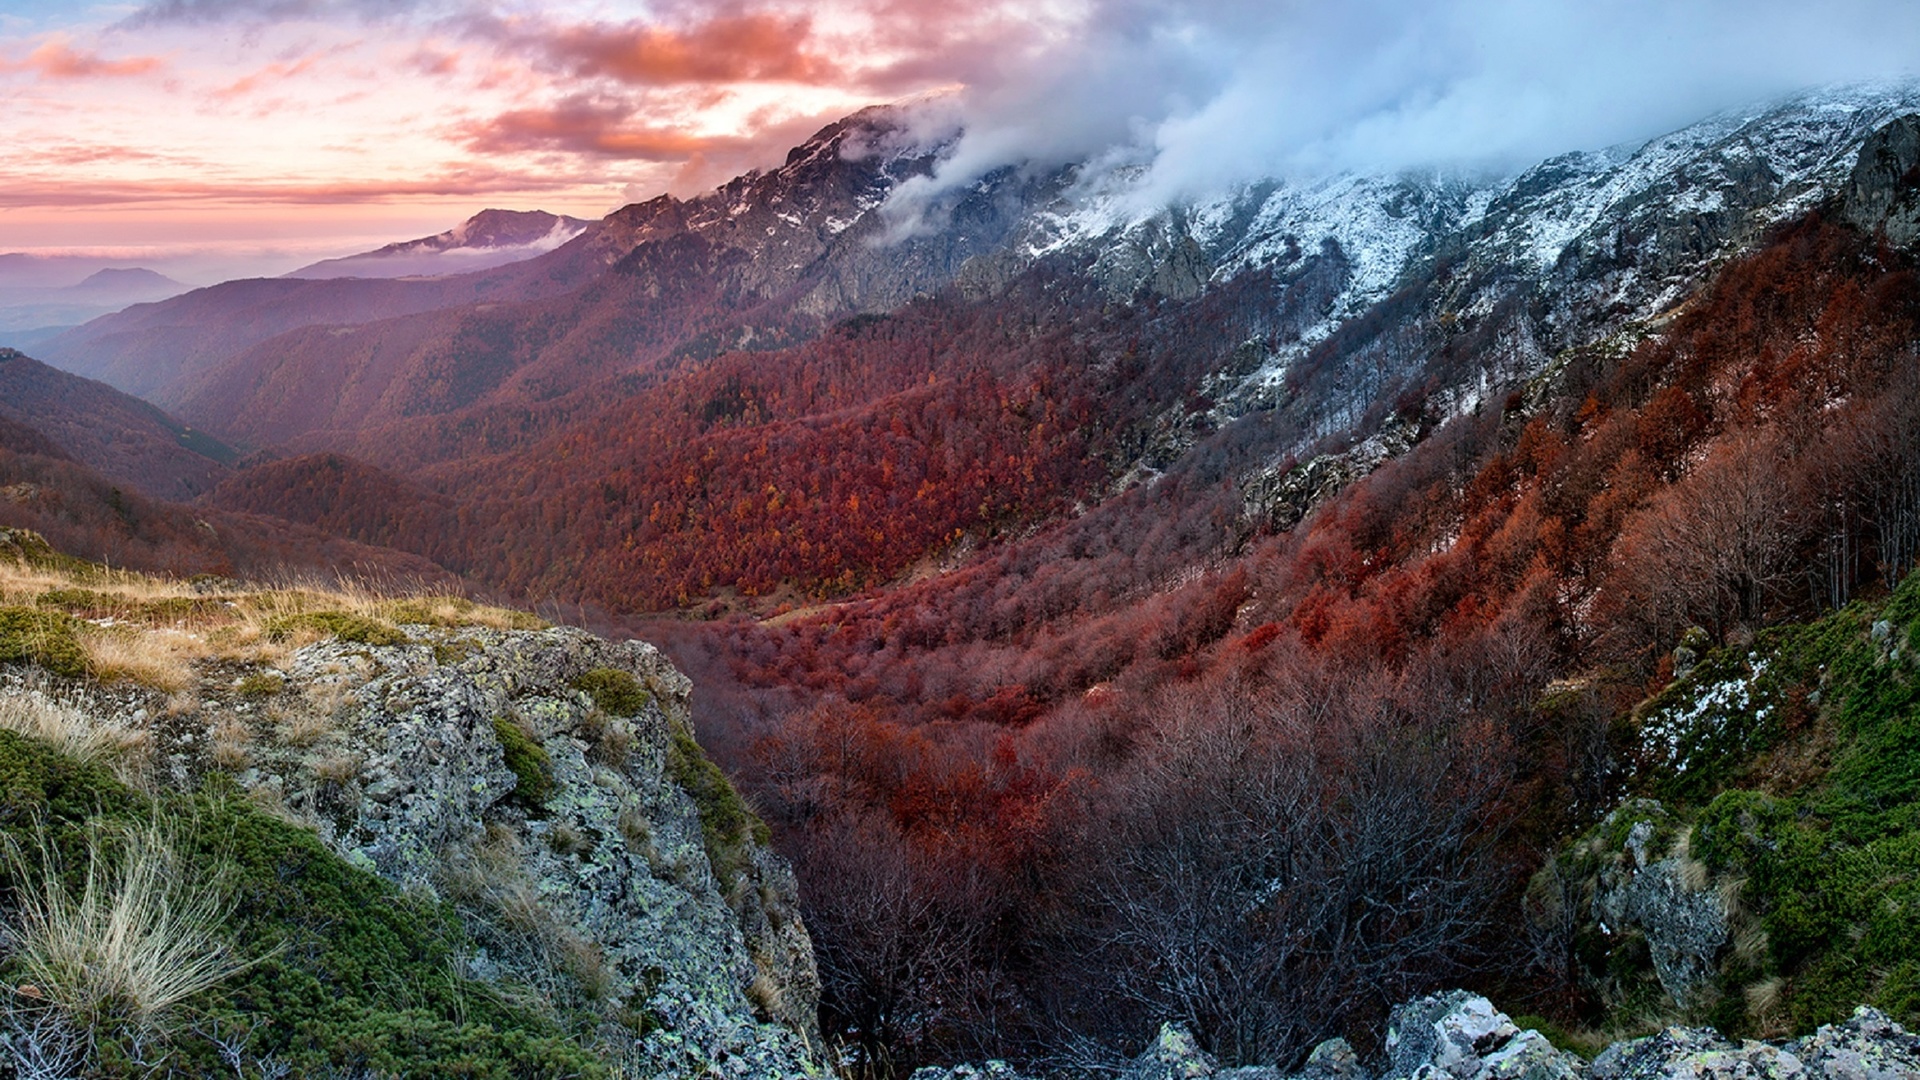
(45, 638)
(457, 611)
(727, 826)
(527, 760)
(260, 684)
(618, 692)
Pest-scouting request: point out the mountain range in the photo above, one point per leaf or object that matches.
(998, 520)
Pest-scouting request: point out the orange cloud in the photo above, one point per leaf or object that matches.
(37, 193)
(739, 48)
(752, 47)
(58, 60)
(265, 75)
(581, 125)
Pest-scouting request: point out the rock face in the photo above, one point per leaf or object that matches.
(574, 828)
(1665, 897)
(1884, 190)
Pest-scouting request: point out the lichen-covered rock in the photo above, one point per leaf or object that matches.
(992, 1070)
(1174, 1055)
(1867, 1047)
(486, 767)
(1666, 897)
(1461, 1036)
(1689, 1052)
(1332, 1060)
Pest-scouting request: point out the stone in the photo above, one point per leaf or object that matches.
(992, 1070)
(1667, 899)
(1174, 1055)
(1332, 1060)
(1460, 1036)
(1868, 1046)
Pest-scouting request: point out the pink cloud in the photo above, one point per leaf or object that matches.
(731, 48)
(56, 59)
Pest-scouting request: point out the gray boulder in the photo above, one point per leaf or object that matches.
(1174, 1055)
(1667, 898)
(1461, 1036)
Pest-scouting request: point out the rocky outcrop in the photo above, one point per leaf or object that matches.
(1883, 193)
(1867, 1047)
(1664, 895)
(1461, 1036)
(547, 784)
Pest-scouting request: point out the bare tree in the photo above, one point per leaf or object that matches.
(1715, 548)
(893, 936)
(1270, 873)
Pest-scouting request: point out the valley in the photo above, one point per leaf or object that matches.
(1256, 612)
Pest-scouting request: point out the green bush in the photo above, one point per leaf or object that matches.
(727, 827)
(260, 684)
(454, 612)
(528, 761)
(343, 625)
(616, 691)
(46, 638)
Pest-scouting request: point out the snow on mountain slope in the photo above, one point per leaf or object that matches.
(487, 239)
(1619, 234)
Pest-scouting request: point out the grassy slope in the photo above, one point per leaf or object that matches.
(1795, 764)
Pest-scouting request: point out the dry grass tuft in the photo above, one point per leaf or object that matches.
(157, 658)
(71, 727)
(231, 738)
(336, 768)
(1766, 1003)
(765, 996)
(139, 937)
(301, 728)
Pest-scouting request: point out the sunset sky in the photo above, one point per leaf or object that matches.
(260, 134)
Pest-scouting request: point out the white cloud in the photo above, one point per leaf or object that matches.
(1214, 93)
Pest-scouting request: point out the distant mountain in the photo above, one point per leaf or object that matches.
(126, 440)
(129, 281)
(28, 303)
(488, 239)
(24, 270)
(151, 349)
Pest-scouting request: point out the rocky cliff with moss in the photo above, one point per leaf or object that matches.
(1764, 874)
(430, 838)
